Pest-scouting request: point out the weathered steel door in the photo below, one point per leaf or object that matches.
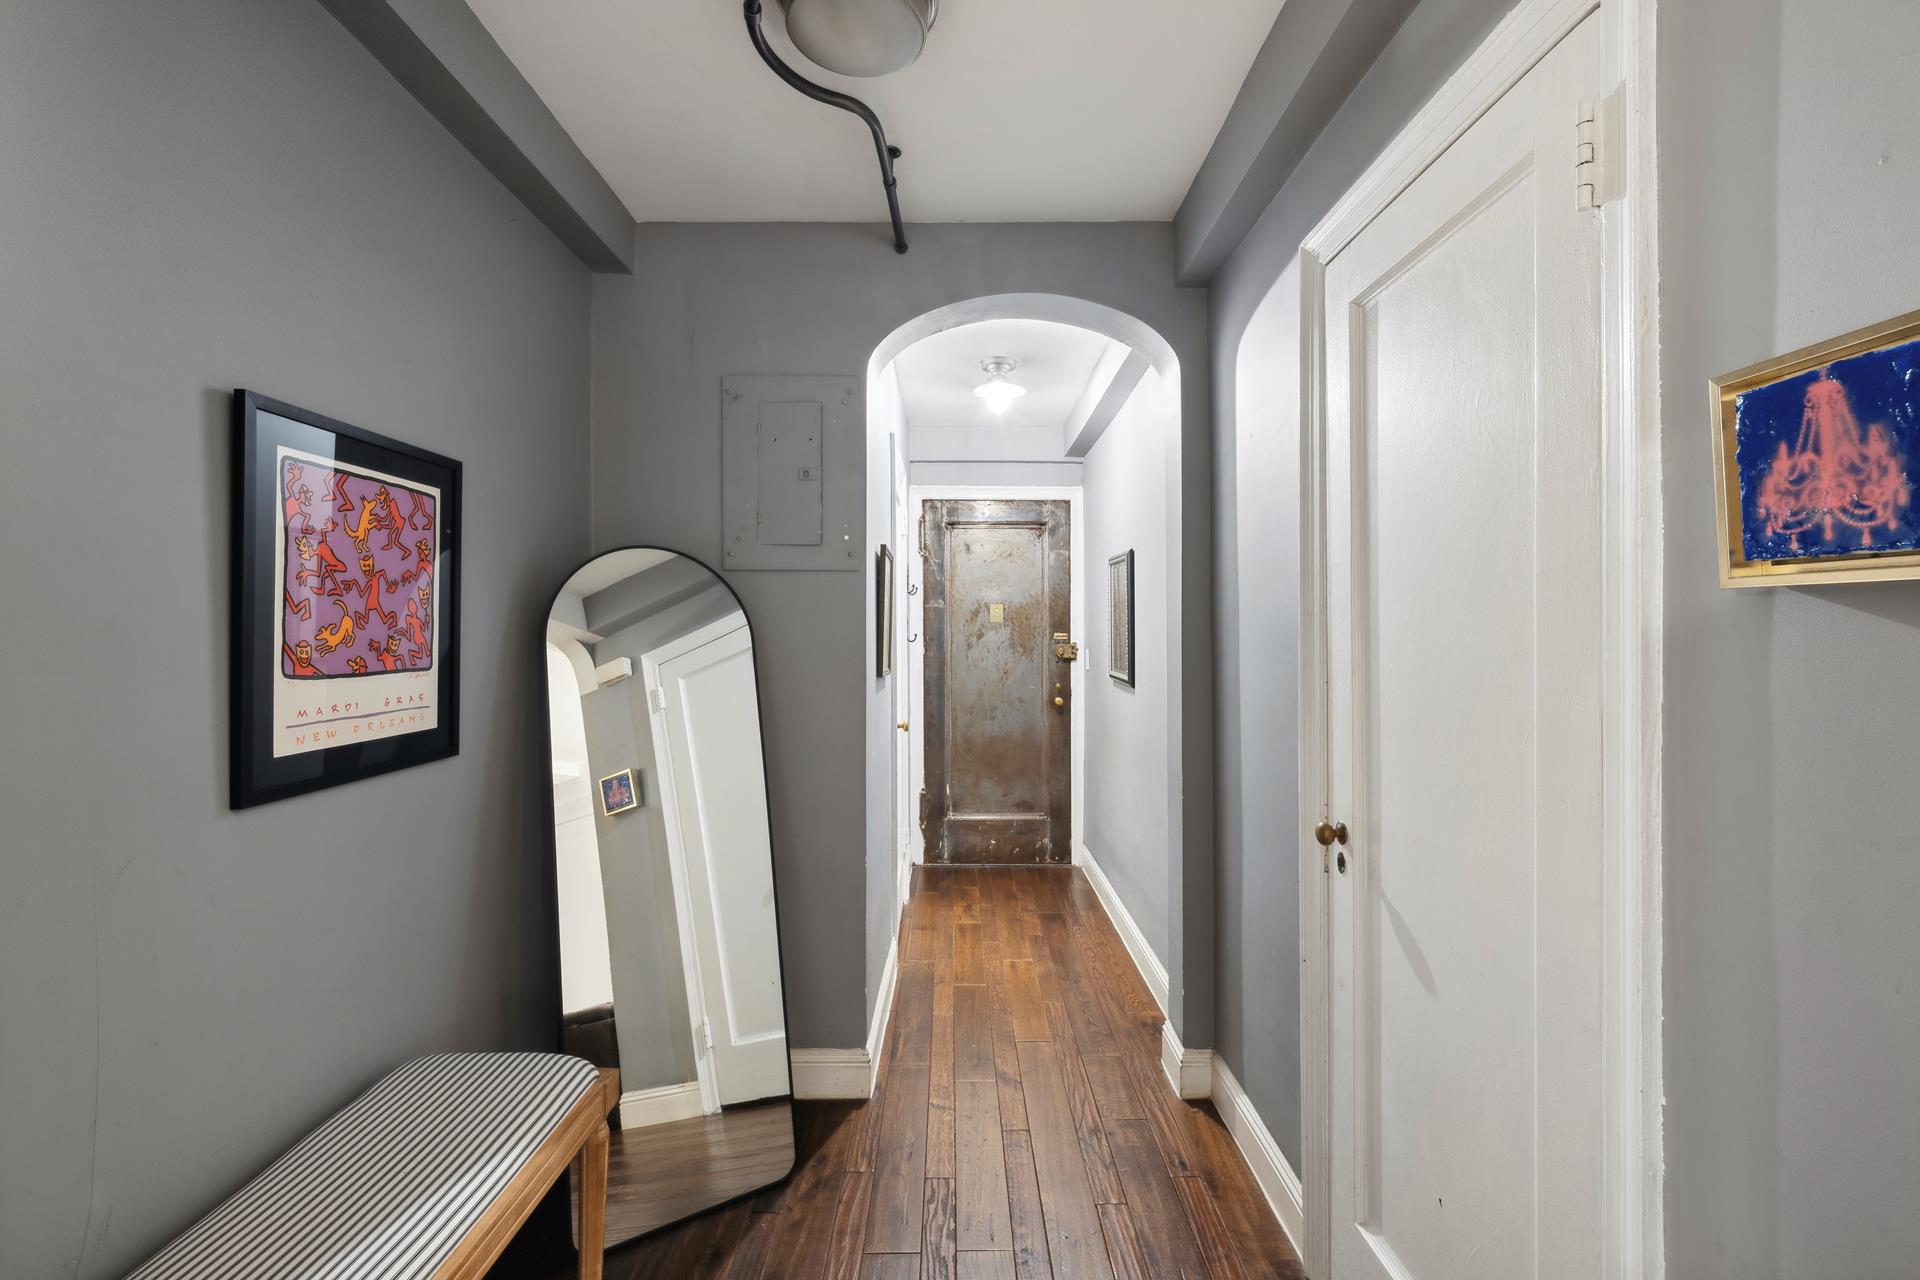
(999, 785)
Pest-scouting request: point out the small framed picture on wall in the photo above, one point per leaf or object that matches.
(619, 792)
(1816, 455)
(345, 657)
(1120, 618)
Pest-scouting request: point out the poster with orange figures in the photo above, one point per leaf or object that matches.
(345, 659)
(359, 556)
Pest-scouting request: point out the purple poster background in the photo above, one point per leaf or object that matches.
(358, 583)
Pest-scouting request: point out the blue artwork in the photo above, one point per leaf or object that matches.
(1824, 459)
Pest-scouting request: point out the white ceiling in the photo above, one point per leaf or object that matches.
(938, 374)
(1041, 110)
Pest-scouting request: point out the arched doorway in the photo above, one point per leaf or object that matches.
(1106, 444)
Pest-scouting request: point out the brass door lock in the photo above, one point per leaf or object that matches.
(1065, 649)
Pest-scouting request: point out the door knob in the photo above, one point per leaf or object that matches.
(1328, 833)
(1058, 701)
(902, 726)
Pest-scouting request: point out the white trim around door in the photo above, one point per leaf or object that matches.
(710, 1001)
(1633, 1247)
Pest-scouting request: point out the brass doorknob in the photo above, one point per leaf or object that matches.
(1059, 701)
(1330, 833)
(902, 726)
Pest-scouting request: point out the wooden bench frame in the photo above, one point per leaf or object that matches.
(578, 1142)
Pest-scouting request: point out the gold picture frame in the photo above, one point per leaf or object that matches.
(623, 796)
(1733, 511)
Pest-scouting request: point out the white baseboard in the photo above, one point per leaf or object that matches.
(1189, 1071)
(660, 1105)
(1270, 1168)
(1152, 972)
(882, 1012)
(850, 1073)
(831, 1073)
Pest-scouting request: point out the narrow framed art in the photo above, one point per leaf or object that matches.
(1815, 457)
(883, 613)
(346, 603)
(1120, 618)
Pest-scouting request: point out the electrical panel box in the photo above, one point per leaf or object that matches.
(791, 466)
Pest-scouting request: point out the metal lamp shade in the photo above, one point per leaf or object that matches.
(860, 37)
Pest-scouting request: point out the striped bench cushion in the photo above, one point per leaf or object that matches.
(390, 1185)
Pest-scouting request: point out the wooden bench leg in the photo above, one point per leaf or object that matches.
(590, 1173)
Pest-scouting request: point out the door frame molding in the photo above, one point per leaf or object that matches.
(1075, 497)
(650, 663)
(1633, 1244)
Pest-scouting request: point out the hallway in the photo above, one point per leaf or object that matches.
(1022, 1128)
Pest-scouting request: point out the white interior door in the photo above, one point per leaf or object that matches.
(714, 792)
(1464, 526)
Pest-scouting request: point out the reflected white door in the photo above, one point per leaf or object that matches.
(1464, 597)
(713, 788)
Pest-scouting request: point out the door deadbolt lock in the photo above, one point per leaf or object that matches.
(1330, 833)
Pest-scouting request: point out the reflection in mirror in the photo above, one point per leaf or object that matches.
(669, 942)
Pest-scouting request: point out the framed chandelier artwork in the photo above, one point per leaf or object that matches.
(1816, 455)
(346, 603)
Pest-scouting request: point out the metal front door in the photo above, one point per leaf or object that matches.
(999, 784)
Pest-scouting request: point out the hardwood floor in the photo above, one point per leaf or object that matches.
(1023, 1129)
(664, 1172)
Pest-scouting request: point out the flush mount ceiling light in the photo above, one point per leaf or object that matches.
(860, 37)
(997, 391)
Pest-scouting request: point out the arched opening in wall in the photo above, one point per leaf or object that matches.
(1023, 491)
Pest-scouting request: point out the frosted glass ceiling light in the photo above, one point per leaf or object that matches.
(860, 37)
(997, 391)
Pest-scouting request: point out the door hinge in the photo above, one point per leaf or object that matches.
(923, 535)
(657, 698)
(706, 1036)
(1596, 150)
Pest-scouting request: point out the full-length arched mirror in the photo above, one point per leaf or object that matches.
(669, 938)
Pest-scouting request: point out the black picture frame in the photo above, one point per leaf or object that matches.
(367, 741)
(883, 612)
(1120, 618)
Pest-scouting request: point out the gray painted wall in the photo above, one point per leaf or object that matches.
(709, 300)
(205, 194)
(446, 58)
(1256, 549)
(1312, 57)
(1789, 180)
(650, 1015)
(1124, 507)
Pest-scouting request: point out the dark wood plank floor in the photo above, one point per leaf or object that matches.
(1023, 1129)
(664, 1172)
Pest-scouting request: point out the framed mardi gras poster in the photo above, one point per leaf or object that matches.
(346, 595)
(1815, 457)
